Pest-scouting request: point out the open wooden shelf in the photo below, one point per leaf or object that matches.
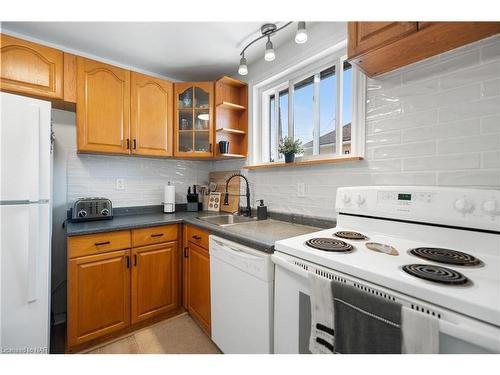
(300, 163)
(231, 106)
(229, 130)
(231, 82)
(231, 117)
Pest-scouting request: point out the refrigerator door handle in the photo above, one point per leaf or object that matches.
(34, 150)
(33, 246)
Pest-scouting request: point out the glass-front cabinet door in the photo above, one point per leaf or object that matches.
(194, 119)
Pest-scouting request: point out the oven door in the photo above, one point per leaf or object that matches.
(292, 312)
(292, 315)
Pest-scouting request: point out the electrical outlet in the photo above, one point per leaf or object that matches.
(120, 184)
(301, 189)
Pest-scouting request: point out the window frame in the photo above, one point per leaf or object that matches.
(275, 85)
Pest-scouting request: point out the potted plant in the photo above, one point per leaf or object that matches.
(289, 147)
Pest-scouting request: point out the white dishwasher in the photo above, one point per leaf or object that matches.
(241, 294)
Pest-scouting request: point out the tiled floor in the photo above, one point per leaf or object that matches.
(178, 335)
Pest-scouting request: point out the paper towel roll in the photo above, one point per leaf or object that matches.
(169, 199)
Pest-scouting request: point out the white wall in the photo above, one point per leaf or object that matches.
(436, 122)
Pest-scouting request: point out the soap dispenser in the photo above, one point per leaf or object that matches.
(261, 210)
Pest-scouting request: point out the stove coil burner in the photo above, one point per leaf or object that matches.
(445, 256)
(351, 235)
(436, 274)
(329, 244)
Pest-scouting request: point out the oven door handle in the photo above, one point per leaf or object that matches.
(290, 267)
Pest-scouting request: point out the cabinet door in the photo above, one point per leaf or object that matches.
(194, 125)
(155, 272)
(151, 116)
(365, 36)
(199, 285)
(30, 68)
(98, 295)
(103, 107)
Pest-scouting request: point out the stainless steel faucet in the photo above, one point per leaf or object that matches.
(246, 211)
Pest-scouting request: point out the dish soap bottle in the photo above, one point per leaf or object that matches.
(261, 210)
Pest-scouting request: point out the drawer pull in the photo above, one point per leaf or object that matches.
(102, 243)
(197, 237)
(157, 235)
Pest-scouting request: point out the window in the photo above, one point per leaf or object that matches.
(311, 105)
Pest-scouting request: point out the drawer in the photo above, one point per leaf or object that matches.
(97, 243)
(197, 236)
(153, 235)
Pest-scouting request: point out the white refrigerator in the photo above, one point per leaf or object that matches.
(25, 224)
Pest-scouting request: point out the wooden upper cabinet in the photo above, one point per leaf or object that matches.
(98, 295)
(198, 294)
(103, 107)
(380, 47)
(194, 119)
(364, 36)
(155, 280)
(151, 124)
(31, 69)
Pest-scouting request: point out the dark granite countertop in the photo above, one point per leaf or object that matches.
(260, 235)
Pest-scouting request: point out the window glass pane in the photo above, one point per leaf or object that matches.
(283, 115)
(272, 130)
(303, 114)
(327, 110)
(347, 109)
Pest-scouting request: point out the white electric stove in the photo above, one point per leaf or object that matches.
(434, 249)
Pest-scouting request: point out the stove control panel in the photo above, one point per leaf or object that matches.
(474, 208)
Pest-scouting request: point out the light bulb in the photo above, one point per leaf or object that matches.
(243, 69)
(301, 36)
(269, 55)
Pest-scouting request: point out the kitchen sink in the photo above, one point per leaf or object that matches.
(226, 220)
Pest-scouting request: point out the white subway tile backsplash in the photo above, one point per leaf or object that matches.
(491, 159)
(490, 88)
(409, 149)
(442, 162)
(471, 75)
(470, 178)
(469, 144)
(438, 68)
(403, 122)
(424, 178)
(478, 108)
(490, 124)
(447, 130)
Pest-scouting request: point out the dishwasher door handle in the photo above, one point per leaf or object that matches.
(239, 253)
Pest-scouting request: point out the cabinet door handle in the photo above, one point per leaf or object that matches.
(210, 145)
(128, 144)
(102, 243)
(197, 237)
(135, 144)
(135, 260)
(157, 235)
(128, 261)
(186, 252)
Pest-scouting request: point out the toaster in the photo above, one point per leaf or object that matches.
(87, 209)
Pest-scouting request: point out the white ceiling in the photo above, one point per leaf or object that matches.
(179, 50)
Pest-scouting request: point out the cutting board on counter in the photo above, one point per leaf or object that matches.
(234, 188)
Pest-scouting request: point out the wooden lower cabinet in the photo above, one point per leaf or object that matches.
(98, 295)
(154, 280)
(113, 285)
(198, 285)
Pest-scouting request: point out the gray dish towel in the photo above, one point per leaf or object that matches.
(365, 323)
